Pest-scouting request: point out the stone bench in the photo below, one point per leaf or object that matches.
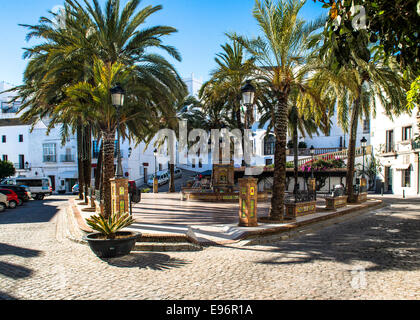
(332, 203)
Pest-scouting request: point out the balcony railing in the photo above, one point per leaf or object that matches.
(50, 159)
(307, 152)
(415, 144)
(22, 166)
(67, 158)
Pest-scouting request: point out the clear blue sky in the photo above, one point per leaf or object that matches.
(201, 26)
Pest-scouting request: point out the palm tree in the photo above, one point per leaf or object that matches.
(281, 52)
(71, 58)
(355, 89)
(299, 120)
(233, 68)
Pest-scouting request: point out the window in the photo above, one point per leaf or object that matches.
(21, 161)
(200, 164)
(50, 152)
(268, 162)
(193, 163)
(269, 145)
(5, 158)
(406, 133)
(406, 178)
(366, 125)
(21, 138)
(389, 141)
(3, 139)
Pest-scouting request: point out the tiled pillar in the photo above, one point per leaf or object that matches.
(119, 195)
(248, 200)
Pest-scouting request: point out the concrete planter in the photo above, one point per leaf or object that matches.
(294, 210)
(332, 203)
(361, 197)
(111, 248)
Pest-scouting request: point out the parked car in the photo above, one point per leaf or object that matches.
(39, 187)
(11, 197)
(75, 189)
(163, 178)
(177, 173)
(23, 194)
(4, 203)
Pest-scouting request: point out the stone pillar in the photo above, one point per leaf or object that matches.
(155, 185)
(119, 195)
(248, 200)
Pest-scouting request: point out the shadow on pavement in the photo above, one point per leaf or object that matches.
(18, 251)
(154, 261)
(5, 296)
(387, 241)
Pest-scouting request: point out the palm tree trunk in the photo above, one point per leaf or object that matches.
(87, 160)
(279, 182)
(80, 170)
(295, 155)
(172, 178)
(98, 172)
(108, 138)
(351, 152)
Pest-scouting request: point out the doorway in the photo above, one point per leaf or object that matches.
(52, 182)
(388, 179)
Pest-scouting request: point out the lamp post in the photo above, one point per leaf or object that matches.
(363, 142)
(120, 196)
(155, 179)
(248, 95)
(312, 151)
(248, 186)
(117, 94)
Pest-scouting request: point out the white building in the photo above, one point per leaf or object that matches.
(394, 145)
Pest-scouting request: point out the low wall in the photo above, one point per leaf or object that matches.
(194, 195)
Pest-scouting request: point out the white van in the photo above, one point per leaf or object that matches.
(39, 187)
(163, 177)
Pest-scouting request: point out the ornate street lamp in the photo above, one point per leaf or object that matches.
(248, 96)
(117, 95)
(312, 151)
(363, 142)
(155, 179)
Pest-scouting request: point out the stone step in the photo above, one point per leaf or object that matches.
(167, 246)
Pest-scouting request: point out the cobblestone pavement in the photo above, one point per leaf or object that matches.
(373, 256)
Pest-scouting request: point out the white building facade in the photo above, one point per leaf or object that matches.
(396, 147)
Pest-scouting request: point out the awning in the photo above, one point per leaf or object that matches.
(68, 175)
(402, 166)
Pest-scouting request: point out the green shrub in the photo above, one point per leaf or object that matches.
(109, 227)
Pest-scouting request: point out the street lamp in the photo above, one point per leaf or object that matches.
(312, 151)
(363, 141)
(155, 179)
(117, 95)
(248, 95)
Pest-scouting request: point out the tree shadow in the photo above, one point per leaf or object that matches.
(14, 271)
(5, 296)
(154, 261)
(386, 240)
(18, 251)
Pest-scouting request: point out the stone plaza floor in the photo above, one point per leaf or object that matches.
(373, 256)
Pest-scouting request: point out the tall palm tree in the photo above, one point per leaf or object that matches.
(356, 89)
(280, 53)
(233, 68)
(299, 120)
(69, 58)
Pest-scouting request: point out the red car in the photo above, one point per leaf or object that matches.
(12, 197)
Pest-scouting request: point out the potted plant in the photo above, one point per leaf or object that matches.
(109, 241)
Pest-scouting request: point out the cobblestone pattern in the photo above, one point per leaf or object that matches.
(374, 256)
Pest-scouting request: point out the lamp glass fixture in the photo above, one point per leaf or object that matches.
(117, 94)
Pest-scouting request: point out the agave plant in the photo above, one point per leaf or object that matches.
(110, 226)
